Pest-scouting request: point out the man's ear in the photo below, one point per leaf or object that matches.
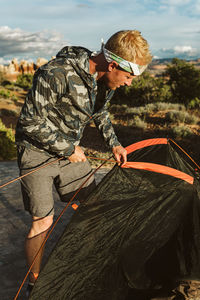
(112, 65)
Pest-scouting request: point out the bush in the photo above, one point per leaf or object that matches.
(2, 77)
(7, 143)
(181, 131)
(117, 108)
(194, 103)
(5, 93)
(181, 117)
(25, 81)
(136, 121)
(12, 87)
(14, 98)
(184, 81)
(144, 89)
(8, 113)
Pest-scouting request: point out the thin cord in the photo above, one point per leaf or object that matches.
(185, 153)
(18, 178)
(43, 166)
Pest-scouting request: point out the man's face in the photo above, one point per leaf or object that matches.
(116, 77)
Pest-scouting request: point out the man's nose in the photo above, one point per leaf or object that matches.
(129, 82)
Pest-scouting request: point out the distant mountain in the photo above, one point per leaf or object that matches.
(165, 61)
(158, 65)
(161, 61)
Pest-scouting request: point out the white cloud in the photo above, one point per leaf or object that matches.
(185, 49)
(16, 42)
(177, 7)
(184, 52)
(175, 2)
(4, 61)
(197, 6)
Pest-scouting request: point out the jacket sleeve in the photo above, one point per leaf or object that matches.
(34, 122)
(103, 123)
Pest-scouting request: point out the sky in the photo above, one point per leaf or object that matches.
(40, 28)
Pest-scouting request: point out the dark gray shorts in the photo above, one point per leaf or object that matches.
(37, 188)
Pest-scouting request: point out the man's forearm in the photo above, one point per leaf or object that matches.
(106, 129)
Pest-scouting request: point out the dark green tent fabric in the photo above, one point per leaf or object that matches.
(137, 229)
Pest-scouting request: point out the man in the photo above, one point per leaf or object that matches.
(67, 93)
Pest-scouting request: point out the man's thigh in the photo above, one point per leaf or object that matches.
(72, 177)
(37, 188)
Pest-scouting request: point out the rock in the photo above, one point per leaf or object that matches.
(24, 67)
(41, 61)
(2, 68)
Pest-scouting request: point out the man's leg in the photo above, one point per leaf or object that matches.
(33, 242)
(38, 201)
(70, 179)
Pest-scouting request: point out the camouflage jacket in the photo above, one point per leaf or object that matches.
(63, 99)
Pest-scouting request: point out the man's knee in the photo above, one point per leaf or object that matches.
(40, 225)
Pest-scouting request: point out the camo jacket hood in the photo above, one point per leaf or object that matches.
(64, 98)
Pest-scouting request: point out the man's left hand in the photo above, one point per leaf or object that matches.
(120, 154)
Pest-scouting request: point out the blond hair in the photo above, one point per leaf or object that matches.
(130, 45)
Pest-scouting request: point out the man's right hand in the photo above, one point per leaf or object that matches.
(78, 155)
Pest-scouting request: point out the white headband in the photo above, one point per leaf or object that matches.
(124, 64)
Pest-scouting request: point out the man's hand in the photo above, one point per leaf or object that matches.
(120, 154)
(77, 156)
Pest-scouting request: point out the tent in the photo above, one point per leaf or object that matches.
(139, 229)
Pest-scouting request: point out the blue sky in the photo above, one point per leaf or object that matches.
(39, 28)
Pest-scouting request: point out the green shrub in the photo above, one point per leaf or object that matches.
(25, 80)
(2, 77)
(136, 121)
(7, 143)
(144, 89)
(14, 98)
(12, 87)
(8, 112)
(181, 131)
(162, 106)
(140, 110)
(5, 93)
(194, 103)
(146, 109)
(184, 81)
(117, 108)
(181, 117)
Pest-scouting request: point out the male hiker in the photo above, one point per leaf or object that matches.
(67, 93)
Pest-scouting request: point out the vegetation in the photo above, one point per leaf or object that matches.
(174, 116)
(171, 117)
(144, 89)
(25, 81)
(181, 131)
(5, 93)
(184, 82)
(7, 143)
(146, 109)
(2, 77)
